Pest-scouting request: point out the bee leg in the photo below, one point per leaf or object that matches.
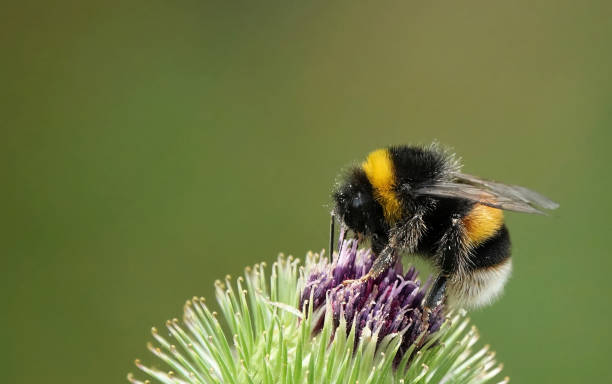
(452, 255)
(387, 258)
(359, 236)
(406, 235)
(436, 293)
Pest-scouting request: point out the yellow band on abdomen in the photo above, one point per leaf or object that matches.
(380, 171)
(482, 222)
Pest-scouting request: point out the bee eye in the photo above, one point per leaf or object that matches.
(358, 201)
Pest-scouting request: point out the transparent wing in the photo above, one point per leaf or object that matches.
(512, 191)
(491, 193)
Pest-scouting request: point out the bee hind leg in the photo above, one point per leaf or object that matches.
(452, 254)
(436, 293)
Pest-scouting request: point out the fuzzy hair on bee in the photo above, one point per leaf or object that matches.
(416, 199)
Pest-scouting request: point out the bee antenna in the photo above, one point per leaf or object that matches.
(331, 236)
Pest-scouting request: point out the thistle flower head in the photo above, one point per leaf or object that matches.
(391, 304)
(301, 325)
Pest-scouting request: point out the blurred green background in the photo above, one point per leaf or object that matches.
(151, 147)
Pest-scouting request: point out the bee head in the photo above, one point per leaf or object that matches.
(356, 207)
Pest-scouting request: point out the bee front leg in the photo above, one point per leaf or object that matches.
(386, 259)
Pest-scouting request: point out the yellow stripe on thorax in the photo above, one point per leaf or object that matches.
(482, 222)
(379, 169)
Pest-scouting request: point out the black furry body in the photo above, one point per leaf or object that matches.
(415, 199)
(437, 217)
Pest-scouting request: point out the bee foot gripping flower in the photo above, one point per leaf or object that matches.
(301, 325)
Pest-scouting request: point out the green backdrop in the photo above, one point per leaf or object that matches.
(150, 147)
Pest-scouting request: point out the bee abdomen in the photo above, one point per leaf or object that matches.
(479, 287)
(492, 252)
(483, 280)
(482, 223)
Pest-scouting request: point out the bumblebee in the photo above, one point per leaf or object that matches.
(416, 200)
